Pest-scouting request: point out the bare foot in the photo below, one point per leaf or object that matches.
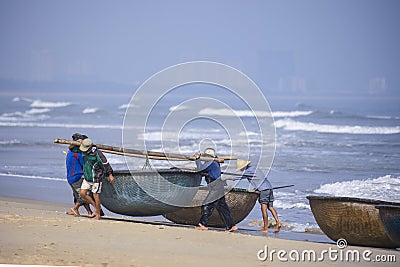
(233, 228)
(75, 212)
(201, 227)
(69, 213)
(263, 230)
(97, 217)
(92, 215)
(277, 228)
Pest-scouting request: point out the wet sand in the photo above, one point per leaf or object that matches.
(39, 232)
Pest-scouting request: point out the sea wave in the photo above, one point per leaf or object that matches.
(291, 125)
(292, 226)
(90, 110)
(59, 125)
(34, 111)
(33, 114)
(48, 104)
(32, 177)
(382, 188)
(178, 108)
(125, 106)
(251, 113)
(289, 205)
(10, 142)
(288, 114)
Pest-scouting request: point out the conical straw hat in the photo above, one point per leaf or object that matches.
(240, 164)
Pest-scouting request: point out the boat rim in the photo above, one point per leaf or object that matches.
(355, 199)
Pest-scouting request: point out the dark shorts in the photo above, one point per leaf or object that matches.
(266, 197)
(76, 188)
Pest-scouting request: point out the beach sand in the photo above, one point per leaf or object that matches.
(39, 232)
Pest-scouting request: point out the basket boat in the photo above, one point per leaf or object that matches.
(390, 216)
(127, 197)
(354, 219)
(239, 201)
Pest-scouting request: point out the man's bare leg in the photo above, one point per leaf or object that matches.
(90, 200)
(277, 223)
(265, 218)
(97, 206)
(87, 208)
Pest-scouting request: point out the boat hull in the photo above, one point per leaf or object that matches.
(239, 201)
(127, 196)
(354, 219)
(390, 216)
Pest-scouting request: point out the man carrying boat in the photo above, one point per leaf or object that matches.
(266, 198)
(74, 165)
(95, 167)
(215, 197)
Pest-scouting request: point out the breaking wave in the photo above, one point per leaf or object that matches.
(251, 113)
(32, 177)
(291, 125)
(382, 188)
(48, 104)
(90, 110)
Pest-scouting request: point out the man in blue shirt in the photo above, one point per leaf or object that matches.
(74, 165)
(266, 198)
(216, 196)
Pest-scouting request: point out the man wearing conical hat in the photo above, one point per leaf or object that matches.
(266, 198)
(216, 196)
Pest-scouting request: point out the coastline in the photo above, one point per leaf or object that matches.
(39, 232)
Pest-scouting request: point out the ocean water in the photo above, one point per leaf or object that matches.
(324, 145)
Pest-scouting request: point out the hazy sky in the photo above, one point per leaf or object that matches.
(345, 46)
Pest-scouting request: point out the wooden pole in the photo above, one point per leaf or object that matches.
(140, 153)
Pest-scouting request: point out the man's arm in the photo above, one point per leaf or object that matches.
(107, 167)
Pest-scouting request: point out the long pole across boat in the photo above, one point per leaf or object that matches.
(144, 153)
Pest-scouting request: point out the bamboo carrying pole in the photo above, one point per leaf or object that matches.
(143, 153)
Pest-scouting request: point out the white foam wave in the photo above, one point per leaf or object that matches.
(291, 125)
(289, 205)
(287, 114)
(249, 133)
(34, 111)
(60, 125)
(302, 228)
(32, 177)
(379, 117)
(251, 113)
(90, 110)
(233, 113)
(125, 106)
(10, 142)
(17, 99)
(382, 188)
(178, 108)
(33, 114)
(47, 104)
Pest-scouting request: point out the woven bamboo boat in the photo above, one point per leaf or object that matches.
(240, 203)
(390, 216)
(354, 219)
(127, 197)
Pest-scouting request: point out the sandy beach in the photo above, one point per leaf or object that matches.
(38, 232)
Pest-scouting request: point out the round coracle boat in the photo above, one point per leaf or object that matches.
(150, 192)
(354, 219)
(390, 216)
(240, 202)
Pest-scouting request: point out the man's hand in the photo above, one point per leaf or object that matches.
(111, 178)
(196, 155)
